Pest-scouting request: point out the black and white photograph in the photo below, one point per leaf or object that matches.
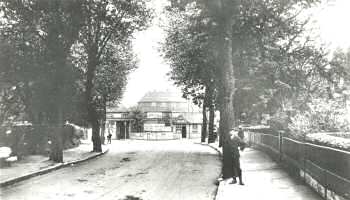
(174, 99)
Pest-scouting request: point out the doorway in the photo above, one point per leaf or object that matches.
(183, 132)
(122, 130)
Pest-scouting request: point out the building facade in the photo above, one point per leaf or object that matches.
(118, 123)
(166, 115)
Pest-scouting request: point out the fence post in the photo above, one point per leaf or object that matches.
(280, 139)
(249, 139)
(304, 157)
(325, 183)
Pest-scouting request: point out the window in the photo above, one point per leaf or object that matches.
(166, 115)
(156, 115)
(167, 123)
(178, 128)
(153, 104)
(195, 128)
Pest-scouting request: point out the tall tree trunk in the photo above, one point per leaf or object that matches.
(57, 54)
(56, 121)
(204, 119)
(103, 126)
(204, 123)
(220, 129)
(56, 153)
(91, 108)
(210, 103)
(225, 21)
(96, 140)
(56, 137)
(211, 137)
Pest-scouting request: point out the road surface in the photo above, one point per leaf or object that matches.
(131, 170)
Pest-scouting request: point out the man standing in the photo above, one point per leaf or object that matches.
(238, 143)
(109, 138)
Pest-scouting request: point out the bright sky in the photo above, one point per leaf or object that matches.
(151, 73)
(332, 18)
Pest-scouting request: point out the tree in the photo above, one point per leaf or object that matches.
(106, 24)
(110, 80)
(326, 111)
(186, 50)
(138, 117)
(268, 29)
(42, 33)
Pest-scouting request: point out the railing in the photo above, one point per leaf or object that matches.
(326, 169)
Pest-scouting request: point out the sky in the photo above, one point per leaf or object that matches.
(332, 18)
(151, 73)
(332, 23)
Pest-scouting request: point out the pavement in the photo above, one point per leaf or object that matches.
(264, 179)
(34, 165)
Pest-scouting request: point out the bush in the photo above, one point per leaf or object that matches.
(25, 140)
(322, 116)
(330, 140)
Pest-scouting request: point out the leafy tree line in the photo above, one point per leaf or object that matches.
(66, 59)
(255, 55)
(329, 111)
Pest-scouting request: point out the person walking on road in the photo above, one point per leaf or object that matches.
(237, 140)
(109, 138)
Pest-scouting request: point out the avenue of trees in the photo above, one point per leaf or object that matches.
(66, 60)
(245, 58)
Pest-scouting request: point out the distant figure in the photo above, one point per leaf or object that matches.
(109, 137)
(240, 133)
(238, 143)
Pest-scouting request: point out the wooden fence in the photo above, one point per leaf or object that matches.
(326, 169)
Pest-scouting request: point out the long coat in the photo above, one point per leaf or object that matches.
(237, 143)
(227, 159)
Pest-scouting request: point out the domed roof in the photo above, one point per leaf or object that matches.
(162, 96)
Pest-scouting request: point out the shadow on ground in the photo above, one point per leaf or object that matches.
(129, 197)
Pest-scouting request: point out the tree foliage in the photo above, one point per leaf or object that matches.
(42, 77)
(107, 24)
(39, 35)
(138, 118)
(66, 59)
(259, 53)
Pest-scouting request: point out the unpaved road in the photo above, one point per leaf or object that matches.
(131, 170)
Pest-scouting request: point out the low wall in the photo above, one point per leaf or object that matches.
(325, 169)
(159, 136)
(155, 136)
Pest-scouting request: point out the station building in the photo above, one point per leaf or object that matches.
(166, 115)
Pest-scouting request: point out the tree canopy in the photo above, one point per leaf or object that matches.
(257, 53)
(66, 59)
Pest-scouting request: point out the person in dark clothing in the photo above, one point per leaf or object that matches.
(238, 144)
(109, 138)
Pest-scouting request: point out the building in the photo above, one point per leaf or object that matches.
(166, 115)
(118, 123)
(169, 114)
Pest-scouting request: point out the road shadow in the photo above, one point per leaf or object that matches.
(130, 197)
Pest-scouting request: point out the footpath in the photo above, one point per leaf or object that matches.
(35, 165)
(263, 179)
